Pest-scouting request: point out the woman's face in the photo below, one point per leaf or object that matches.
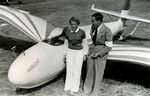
(73, 25)
(95, 23)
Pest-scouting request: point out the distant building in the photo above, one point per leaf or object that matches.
(7, 2)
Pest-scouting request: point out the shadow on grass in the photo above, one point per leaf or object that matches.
(22, 91)
(7, 43)
(117, 70)
(128, 72)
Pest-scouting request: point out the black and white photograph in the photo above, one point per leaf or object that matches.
(74, 47)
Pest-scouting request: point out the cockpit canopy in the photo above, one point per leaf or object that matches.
(54, 39)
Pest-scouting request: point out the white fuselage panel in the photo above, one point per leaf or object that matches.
(38, 64)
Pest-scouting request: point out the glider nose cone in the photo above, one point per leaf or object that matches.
(17, 74)
(14, 78)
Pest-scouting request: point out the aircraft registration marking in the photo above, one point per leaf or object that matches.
(33, 65)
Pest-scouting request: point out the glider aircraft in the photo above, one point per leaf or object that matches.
(45, 61)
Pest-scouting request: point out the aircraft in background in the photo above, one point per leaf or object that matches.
(45, 61)
(117, 27)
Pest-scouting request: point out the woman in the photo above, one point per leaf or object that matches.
(74, 55)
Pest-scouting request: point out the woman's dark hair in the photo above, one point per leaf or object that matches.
(75, 20)
(98, 16)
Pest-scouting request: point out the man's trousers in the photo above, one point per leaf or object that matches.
(95, 72)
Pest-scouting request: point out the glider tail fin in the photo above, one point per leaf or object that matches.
(126, 5)
(125, 8)
(124, 13)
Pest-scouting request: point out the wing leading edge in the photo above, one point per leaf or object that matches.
(129, 17)
(33, 26)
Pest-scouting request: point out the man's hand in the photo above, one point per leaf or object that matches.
(95, 55)
(84, 57)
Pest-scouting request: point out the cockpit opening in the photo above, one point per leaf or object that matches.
(55, 41)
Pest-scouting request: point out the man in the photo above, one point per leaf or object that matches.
(98, 52)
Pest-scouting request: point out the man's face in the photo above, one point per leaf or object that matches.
(73, 25)
(95, 23)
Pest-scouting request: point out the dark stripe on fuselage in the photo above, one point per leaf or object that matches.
(145, 51)
(130, 58)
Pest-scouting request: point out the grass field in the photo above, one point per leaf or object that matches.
(120, 79)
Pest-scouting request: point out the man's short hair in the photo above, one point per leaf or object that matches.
(98, 16)
(75, 20)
